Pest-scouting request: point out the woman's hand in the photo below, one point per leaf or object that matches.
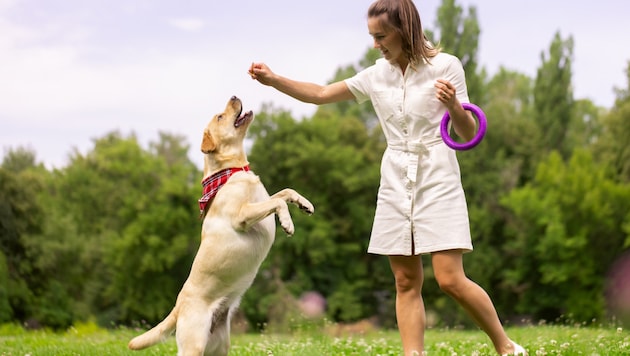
(445, 92)
(463, 122)
(261, 73)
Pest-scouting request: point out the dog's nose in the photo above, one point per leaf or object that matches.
(234, 98)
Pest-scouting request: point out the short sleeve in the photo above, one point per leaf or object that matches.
(360, 85)
(454, 73)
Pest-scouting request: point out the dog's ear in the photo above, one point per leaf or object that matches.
(207, 144)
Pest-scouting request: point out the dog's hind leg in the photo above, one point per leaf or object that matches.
(193, 329)
(219, 338)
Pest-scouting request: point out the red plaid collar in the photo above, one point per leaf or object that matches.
(213, 183)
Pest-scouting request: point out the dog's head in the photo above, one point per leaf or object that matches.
(223, 136)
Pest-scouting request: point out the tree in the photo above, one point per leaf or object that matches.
(612, 144)
(159, 243)
(6, 311)
(586, 126)
(553, 96)
(20, 159)
(136, 221)
(18, 216)
(567, 228)
(35, 294)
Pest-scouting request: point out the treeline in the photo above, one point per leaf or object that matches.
(112, 235)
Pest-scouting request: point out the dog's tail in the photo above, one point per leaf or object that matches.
(157, 334)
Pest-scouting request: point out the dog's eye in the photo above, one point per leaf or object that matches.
(220, 117)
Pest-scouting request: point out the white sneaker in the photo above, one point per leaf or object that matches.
(518, 350)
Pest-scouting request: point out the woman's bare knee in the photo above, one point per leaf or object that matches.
(456, 286)
(408, 273)
(408, 283)
(449, 272)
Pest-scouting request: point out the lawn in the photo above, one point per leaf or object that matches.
(538, 340)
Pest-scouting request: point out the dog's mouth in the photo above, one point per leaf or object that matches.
(243, 118)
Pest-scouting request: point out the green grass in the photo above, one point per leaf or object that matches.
(538, 340)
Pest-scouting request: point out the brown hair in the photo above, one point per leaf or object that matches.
(403, 17)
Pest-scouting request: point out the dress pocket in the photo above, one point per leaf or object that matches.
(384, 102)
(423, 103)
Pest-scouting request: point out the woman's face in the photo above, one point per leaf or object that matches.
(387, 41)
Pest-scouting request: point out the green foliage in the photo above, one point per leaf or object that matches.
(143, 226)
(54, 308)
(6, 312)
(96, 237)
(20, 219)
(612, 144)
(565, 234)
(554, 97)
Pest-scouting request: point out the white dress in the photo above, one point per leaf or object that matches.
(421, 207)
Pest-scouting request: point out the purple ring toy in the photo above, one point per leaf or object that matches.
(481, 117)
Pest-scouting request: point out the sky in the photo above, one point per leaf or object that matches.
(72, 71)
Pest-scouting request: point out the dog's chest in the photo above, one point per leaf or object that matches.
(228, 214)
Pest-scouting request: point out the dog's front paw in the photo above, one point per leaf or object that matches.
(287, 224)
(289, 229)
(306, 206)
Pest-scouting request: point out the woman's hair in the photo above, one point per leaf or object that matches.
(403, 17)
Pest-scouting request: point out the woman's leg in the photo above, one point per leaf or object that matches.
(410, 314)
(449, 272)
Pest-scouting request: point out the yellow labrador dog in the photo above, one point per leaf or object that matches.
(237, 232)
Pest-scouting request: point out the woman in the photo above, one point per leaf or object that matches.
(421, 208)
